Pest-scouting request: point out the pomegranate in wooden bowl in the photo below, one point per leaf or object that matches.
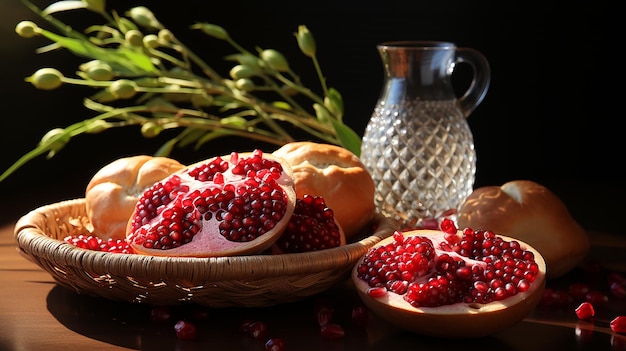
(452, 283)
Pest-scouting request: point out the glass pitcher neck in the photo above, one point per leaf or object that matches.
(422, 68)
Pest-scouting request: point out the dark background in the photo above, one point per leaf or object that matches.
(552, 114)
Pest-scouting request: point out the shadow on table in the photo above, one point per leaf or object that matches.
(130, 325)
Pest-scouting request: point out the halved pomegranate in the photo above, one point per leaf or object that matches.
(454, 284)
(228, 205)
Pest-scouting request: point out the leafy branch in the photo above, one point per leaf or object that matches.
(145, 76)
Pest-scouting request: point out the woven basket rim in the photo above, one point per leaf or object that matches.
(33, 241)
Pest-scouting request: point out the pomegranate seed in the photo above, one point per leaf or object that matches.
(579, 290)
(377, 292)
(360, 315)
(324, 315)
(160, 313)
(597, 298)
(259, 330)
(615, 277)
(185, 330)
(94, 243)
(618, 324)
(618, 290)
(332, 331)
(585, 310)
(276, 344)
(448, 226)
(245, 325)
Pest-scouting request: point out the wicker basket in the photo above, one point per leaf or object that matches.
(247, 281)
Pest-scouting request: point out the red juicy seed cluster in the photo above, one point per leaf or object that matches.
(245, 212)
(90, 242)
(312, 227)
(478, 268)
(398, 263)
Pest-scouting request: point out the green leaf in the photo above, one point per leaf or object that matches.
(349, 138)
(166, 149)
(189, 136)
(218, 133)
(130, 59)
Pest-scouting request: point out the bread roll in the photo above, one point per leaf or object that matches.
(530, 212)
(114, 190)
(338, 176)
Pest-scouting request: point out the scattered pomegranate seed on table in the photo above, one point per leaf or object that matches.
(276, 344)
(585, 310)
(185, 330)
(618, 324)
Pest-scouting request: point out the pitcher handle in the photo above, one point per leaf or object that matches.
(481, 79)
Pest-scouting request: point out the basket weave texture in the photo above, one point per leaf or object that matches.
(244, 281)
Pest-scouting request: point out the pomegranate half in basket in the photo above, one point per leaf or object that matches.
(228, 205)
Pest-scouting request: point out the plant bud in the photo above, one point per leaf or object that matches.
(123, 89)
(234, 121)
(306, 42)
(245, 84)
(242, 71)
(151, 129)
(212, 30)
(97, 70)
(27, 29)
(144, 17)
(275, 60)
(166, 36)
(151, 41)
(248, 60)
(56, 138)
(46, 79)
(97, 126)
(134, 37)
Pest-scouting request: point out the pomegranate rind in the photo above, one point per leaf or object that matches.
(459, 320)
(216, 245)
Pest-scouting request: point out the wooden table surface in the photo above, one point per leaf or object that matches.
(38, 314)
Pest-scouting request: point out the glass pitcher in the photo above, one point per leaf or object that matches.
(418, 145)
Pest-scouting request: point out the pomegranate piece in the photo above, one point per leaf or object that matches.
(360, 315)
(584, 310)
(466, 284)
(94, 243)
(185, 330)
(275, 344)
(331, 331)
(228, 205)
(258, 330)
(160, 313)
(312, 227)
(618, 290)
(618, 324)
